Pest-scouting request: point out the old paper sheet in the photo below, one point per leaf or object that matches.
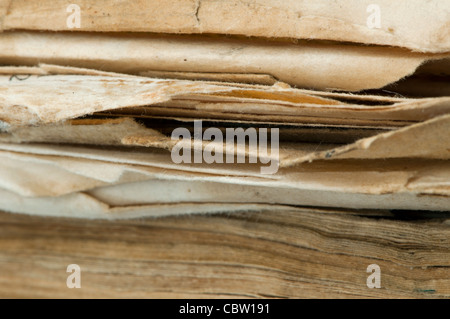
(321, 66)
(414, 24)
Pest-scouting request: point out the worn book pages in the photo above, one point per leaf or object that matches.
(87, 122)
(430, 136)
(414, 24)
(249, 148)
(128, 95)
(298, 253)
(313, 65)
(121, 183)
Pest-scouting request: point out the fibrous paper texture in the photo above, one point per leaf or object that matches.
(413, 24)
(368, 173)
(342, 112)
(322, 66)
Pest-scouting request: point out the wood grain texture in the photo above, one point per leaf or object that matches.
(307, 254)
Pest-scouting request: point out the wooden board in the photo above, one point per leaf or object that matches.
(309, 253)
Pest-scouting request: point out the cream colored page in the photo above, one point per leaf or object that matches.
(429, 139)
(322, 66)
(32, 100)
(82, 169)
(414, 24)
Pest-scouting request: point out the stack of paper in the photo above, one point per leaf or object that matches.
(117, 109)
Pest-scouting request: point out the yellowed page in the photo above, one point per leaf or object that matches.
(313, 65)
(414, 24)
